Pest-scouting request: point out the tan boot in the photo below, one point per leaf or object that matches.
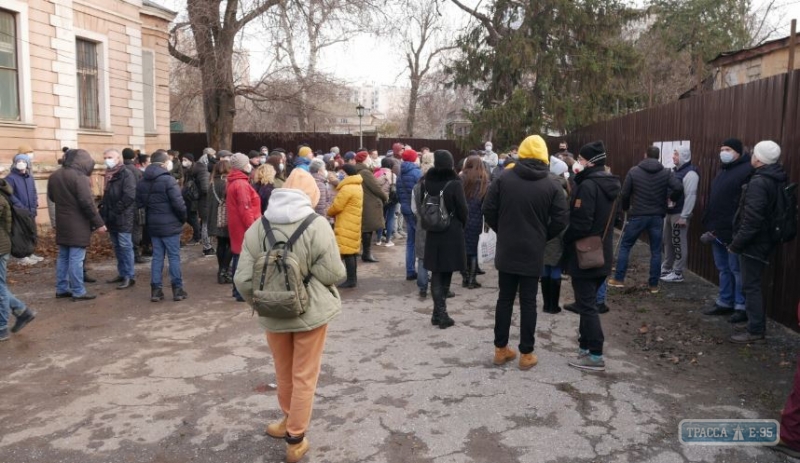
(527, 361)
(277, 429)
(294, 452)
(503, 355)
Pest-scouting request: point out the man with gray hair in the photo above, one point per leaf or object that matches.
(676, 224)
(209, 158)
(118, 210)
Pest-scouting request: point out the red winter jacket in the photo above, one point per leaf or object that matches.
(244, 207)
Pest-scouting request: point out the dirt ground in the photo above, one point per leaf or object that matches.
(120, 379)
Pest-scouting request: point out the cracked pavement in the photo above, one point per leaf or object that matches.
(120, 379)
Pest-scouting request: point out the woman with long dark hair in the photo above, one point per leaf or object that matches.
(276, 161)
(476, 183)
(218, 219)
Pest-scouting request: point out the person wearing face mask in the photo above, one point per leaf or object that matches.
(326, 190)
(276, 161)
(192, 191)
(676, 226)
(202, 178)
(489, 157)
(726, 189)
(25, 196)
(165, 213)
(244, 208)
(118, 210)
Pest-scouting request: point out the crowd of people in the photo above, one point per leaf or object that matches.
(552, 215)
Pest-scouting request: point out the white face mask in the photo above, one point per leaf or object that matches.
(263, 159)
(488, 147)
(187, 163)
(726, 157)
(110, 163)
(249, 168)
(280, 167)
(168, 165)
(21, 165)
(577, 167)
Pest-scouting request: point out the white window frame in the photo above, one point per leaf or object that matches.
(103, 97)
(147, 130)
(20, 11)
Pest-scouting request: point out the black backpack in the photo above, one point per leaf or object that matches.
(784, 218)
(190, 191)
(23, 231)
(433, 214)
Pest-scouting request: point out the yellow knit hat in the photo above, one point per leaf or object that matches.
(534, 147)
(305, 152)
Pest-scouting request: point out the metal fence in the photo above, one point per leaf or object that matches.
(763, 110)
(246, 141)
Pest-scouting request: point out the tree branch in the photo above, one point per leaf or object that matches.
(263, 8)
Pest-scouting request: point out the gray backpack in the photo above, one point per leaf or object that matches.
(281, 289)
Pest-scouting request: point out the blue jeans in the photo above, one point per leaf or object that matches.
(69, 270)
(171, 246)
(8, 302)
(654, 226)
(123, 248)
(552, 271)
(411, 241)
(234, 264)
(730, 278)
(601, 293)
(422, 276)
(389, 217)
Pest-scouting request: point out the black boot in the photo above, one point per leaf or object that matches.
(438, 302)
(350, 263)
(156, 294)
(464, 279)
(555, 295)
(545, 281)
(222, 276)
(178, 293)
(472, 271)
(366, 242)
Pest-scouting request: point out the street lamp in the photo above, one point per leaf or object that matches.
(360, 111)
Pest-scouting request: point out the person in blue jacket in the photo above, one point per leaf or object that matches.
(24, 186)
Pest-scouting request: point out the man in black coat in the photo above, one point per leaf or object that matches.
(118, 210)
(165, 211)
(752, 239)
(644, 196)
(526, 207)
(590, 214)
(198, 172)
(726, 189)
(128, 157)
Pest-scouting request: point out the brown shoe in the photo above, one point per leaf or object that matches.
(294, 452)
(277, 429)
(503, 355)
(528, 361)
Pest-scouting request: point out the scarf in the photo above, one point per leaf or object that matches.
(110, 173)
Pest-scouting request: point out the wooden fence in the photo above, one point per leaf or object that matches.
(763, 110)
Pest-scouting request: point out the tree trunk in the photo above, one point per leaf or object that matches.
(413, 96)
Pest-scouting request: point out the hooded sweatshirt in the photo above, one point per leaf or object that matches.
(24, 186)
(69, 188)
(647, 187)
(689, 176)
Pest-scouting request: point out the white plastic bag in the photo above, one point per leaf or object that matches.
(487, 245)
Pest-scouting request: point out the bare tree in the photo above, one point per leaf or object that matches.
(214, 26)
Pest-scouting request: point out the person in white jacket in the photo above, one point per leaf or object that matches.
(676, 224)
(489, 157)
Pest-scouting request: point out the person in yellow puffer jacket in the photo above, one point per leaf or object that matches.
(347, 210)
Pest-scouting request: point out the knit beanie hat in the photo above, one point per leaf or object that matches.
(767, 151)
(410, 155)
(735, 144)
(534, 147)
(189, 156)
(442, 159)
(224, 154)
(594, 152)
(239, 162)
(361, 156)
(349, 155)
(557, 166)
(253, 154)
(305, 152)
(349, 169)
(301, 180)
(128, 154)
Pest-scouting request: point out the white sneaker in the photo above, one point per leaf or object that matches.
(388, 244)
(28, 261)
(36, 258)
(379, 243)
(673, 278)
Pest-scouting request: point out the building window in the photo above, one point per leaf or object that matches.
(88, 79)
(9, 72)
(149, 84)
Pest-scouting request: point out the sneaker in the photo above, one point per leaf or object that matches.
(739, 316)
(209, 252)
(746, 338)
(718, 310)
(423, 293)
(582, 352)
(673, 278)
(388, 244)
(665, 273)
(27, 316)
(653, 289)
(615, 283)
(412, 277)
(36, 258)
(28, 261)
(589, 363)
(379, 242)
(602, 308)
(4, 335)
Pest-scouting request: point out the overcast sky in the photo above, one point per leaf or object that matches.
(365, 59)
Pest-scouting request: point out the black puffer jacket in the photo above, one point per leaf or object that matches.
(752, 221)
(591, 205)
(199, 173)
(118, 208)
(69, 188)
(646, 188)
(726, 189)
(161, 197)
(445, 251)
(526, 207)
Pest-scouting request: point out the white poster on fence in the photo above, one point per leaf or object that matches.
(667, 148)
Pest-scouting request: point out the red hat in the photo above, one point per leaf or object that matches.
(410, 155)
(361, 156)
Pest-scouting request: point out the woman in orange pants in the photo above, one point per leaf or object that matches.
(296, 343)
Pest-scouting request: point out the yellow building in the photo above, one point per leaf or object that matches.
(743, 66)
